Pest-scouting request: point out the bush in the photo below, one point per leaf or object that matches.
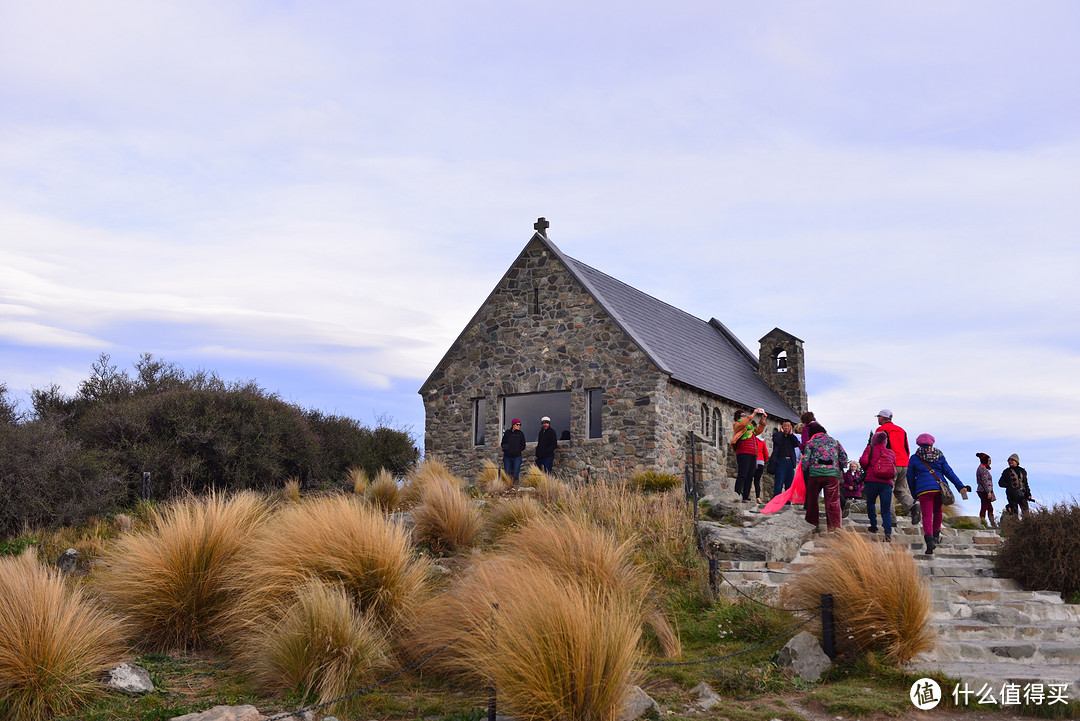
(446, 520)
(655, 482)
(53, 643)
(174, 582)
(322, 646)
(1042, 551)
(343, 542)
(880, 599)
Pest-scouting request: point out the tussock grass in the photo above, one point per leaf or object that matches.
(493, 480)
(549, 486)
(654, 481)
(383, 493)
(171, 581)
(291, 492)
(446, 519)
(358, 480)
(53, 642)
(123, 523)
(555, 649)
(880, 598)
(509, 514)
(322, 646)
(337, 539)
(427, 471)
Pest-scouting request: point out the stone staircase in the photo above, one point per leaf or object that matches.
(989, 630)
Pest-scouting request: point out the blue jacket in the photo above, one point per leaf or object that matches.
(919, 478)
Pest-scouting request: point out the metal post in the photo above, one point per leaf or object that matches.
(686, 483)
(714, 575)
(693, 473)
(828, 626)
(147, 492)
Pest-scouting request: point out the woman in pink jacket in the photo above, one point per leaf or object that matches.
(880, 465)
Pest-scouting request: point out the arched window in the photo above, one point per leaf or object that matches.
(781, 362)
(716, 426)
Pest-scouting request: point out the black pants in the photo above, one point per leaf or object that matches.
(757, 480)
(745, 478)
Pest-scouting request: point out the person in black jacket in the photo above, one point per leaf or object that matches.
(782, 461)
(1014, 480)
(513, 444)
(546, 441)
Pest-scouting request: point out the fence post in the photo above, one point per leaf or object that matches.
(491, 689)
(147, 491)
(828, 626)
(714, 575)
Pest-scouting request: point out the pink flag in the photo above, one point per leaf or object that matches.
(795, 494)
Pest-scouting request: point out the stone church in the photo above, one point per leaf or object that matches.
(630, 383)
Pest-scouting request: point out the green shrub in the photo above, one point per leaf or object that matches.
(655, 482)
(1042, 550)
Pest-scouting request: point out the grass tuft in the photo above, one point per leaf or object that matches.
(509, 514)
(428, 471)
(549, 486)
(357, 479)
(446, 519)
(384, 493)
(655, 482)
(493, 480)
(880, 598)
(53, 642)
(291, 492)
(321, 647)
(171, 581)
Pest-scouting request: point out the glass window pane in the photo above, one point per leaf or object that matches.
(596, 408)
(531, 407)
(479, 420)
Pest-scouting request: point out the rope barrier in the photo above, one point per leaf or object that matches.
(762, 603)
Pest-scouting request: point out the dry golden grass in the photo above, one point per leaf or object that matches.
(321, 646)
(423, 473)
(492, 479)
(291, 492)
(446, 520)
(172, 580)
(337, 539)
(555, 648)
(880, 598)
(358, 480)
(54, 643)
(383, 493)
(666, 637)
(550, 487)
(91, 539)
(123, 523)
(509, 514)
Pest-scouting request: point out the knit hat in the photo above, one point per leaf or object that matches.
(880, 437)
(1015, 457)
(515, 422)
(925, 439)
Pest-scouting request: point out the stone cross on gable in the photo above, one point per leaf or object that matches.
(541, 225)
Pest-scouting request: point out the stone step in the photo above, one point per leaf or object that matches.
(974, 629)
(977, 674)
(1026, 612)
(1016, 652)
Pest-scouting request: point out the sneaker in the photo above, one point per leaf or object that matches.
(846, 513)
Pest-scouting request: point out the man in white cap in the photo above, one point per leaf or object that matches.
(546, 441)
(898, 443)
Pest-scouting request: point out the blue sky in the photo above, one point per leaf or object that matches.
(319, 195)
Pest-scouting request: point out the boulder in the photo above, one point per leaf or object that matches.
(707, 698)
(777, 537)
(224, 713)
(636, 704)
(803, 656)
(129, 679)
(68, 560)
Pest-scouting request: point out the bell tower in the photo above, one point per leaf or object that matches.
(781, 364)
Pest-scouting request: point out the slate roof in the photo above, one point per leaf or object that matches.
(701, 354)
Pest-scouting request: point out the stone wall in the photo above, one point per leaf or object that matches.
(572, 345)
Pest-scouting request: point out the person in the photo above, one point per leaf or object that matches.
(984, 486)
(513, 445)
(784, 445)
(822, 459)
(925, 468)
(880, 463)
(1014, 480)
(546, 442)
(804, 426)
(762, 459)
(898, 443)
(745, 445)
(851, 487)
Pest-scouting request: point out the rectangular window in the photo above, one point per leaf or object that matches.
(594, 409)
(531, 407)
(479, 409)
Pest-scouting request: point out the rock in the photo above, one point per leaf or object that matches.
(777, 537)
(636, 704)
(707, 698)
(68, 560)
(804, 657)
(403, 519)
(129, 679)
(224, 713)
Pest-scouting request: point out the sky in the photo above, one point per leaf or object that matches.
(319, 195)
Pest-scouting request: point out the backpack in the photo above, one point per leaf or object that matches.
(881, 466)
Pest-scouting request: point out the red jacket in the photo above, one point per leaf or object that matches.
(897, 442)
(762, 450)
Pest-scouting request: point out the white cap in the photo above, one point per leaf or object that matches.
(885, 413)
(545, 419)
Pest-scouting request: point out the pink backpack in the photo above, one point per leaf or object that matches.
(881, 466)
